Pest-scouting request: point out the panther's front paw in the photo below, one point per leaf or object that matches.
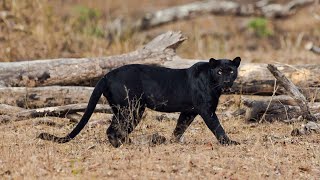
(227, 142)
(177, 139)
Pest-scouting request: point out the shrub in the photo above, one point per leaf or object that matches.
(260, 27)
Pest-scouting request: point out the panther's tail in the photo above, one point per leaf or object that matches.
(95, 96)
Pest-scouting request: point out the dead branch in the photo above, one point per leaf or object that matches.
(294, 92)
(306, 129)
(54, 72)
(5, 108)
(311, 47)
(58, 111)
(252, 79)
(187, 11)
(35, 97)
(255, 78)
(61, 111)
(279, 10)
(280, 108)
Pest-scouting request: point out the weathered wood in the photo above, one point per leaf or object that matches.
(187, 11)
(313, 48)
(306, 129)
(282, 10)
(17, 114)
(73, 71)
(35, 97)
(61, 111)
(283, 99)
(256, 79)
(5, 109)
(294, 92)
(252, 79)
(280, 108)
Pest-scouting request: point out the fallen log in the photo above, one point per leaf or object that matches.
(277, 108)
(187, 11)
(61, 111)
(306, 129)
(253, 79)
(35, 97)
(17, 114)
(280, 107)
(294, 92)
(73, 71)
(279, 10)
(313, 48)
(256, 79)
(5, 109)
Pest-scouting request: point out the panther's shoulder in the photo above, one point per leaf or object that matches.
(199, 67)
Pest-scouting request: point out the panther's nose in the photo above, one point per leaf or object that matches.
(227, 83)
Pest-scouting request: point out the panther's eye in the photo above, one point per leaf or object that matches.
(231, 72)
(220, 72)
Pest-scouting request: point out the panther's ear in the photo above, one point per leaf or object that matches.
(213, 62)
(236, 61)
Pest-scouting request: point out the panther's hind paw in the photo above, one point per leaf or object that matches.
(227, 142)
(231, 142)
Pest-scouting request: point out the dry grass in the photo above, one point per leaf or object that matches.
(266, 151)
(36, 29)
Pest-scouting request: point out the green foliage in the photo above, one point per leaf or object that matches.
(87, 21)
(76, 171)
(260, 27)
(86, 14)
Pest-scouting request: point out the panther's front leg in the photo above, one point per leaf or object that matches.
(212, 121)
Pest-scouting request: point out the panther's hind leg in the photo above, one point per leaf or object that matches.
(123, 123)
(184, 121)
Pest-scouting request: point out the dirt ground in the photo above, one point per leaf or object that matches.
(52, 29)
(267, 151)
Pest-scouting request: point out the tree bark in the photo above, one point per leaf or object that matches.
(187, 11)
(313, 48)
(35, 97)
(306, 129)
(294, 92)
(252, 78)
(256, 79)
(72, 71)
(280, 108)
(61, 111)
(17, 114)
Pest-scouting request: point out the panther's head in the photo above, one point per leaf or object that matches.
(223, 72)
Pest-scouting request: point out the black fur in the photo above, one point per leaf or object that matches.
(131, 88)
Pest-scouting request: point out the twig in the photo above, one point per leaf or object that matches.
(295, 93)
(311, 47)
(59, 111)
(274, 92)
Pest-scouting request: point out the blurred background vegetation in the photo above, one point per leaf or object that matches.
(44, 29)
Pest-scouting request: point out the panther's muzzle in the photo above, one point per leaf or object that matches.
(227, 90)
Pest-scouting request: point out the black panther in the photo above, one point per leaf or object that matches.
(131, 88)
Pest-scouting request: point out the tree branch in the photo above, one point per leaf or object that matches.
(54, 71)
(294, 92)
